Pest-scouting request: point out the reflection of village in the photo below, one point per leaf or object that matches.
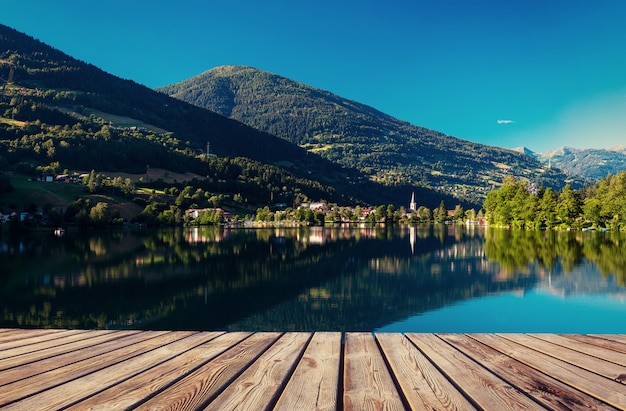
(304, 235)
(402, 270)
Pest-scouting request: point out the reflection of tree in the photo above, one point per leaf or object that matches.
(111, 278)
(608, 252)
(330, 278)
(514, 250)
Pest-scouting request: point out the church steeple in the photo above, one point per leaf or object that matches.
(412, 205)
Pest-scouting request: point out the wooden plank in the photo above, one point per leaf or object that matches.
(597, 365)
(367, 382)
(135, 390)
(483, 387)
(31, 368)
(423, 386)
(606, 390)
(77, 389)
(76, 342)
(584, 347)
(71, 370)
(202, 385)
(600, 342)
(183, 370)
(613, 337)
(41, 342)
(550, 392)
(14, 338)
(315, 381)
(260, 384)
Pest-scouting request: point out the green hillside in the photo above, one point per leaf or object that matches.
(386, 149)
(59, 114)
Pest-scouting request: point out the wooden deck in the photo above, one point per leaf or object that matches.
(80, 369)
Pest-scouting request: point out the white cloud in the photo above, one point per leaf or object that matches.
(506, 121)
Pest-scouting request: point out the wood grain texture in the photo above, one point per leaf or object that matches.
(76, 343)
(314, 384)
(181, 370)
(584, 347)
(36, 363)
(423, 386)
(72, 370)
(588, 362)
(259, 385)
(613, 337)
(135, 390)
(546, 390)
(90, 384)
(12, 338)
(485, 388)
(367, 381)
(602, 388)
(202, 385)
(41, 343)
(598, 341)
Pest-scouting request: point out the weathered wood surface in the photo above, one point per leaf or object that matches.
(82, 369)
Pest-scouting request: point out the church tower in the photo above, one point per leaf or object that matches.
(412, 205)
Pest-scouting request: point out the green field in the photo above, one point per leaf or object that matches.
(39, 193)
(59, 195)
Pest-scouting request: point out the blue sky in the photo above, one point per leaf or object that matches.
(542, 74)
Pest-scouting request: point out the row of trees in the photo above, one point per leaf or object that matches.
(601, 205)
(333, 213)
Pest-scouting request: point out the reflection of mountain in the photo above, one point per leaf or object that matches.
(365, 285)
(274, 279)
(211, 279)
(378, 286)
(583, 279)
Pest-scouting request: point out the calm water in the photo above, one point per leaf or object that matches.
(426, 279)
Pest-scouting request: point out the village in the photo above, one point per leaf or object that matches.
(223, 212)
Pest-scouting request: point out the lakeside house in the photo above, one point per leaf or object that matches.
(194, 213)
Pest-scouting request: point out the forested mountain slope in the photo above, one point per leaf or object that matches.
(61, 113)
(386, 149)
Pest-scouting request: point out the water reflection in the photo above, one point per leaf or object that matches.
(340, 278)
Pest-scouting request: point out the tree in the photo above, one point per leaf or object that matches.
(440, 214)
(100, 215)
(569, 206)
(92, 183)
(389, 215)
(459, 213)
(546, 209)
(424, 213)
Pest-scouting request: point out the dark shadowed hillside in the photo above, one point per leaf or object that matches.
(60, 113)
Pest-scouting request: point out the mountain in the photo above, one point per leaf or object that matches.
(57, 113)
(386, 149)
(590, 164)
(526, 151)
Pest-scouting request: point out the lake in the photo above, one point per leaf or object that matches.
(432, 278)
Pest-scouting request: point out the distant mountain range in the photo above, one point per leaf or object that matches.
(590, 164)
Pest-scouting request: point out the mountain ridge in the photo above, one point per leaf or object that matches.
(355, 135)
(55, 109)
(588, 163)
